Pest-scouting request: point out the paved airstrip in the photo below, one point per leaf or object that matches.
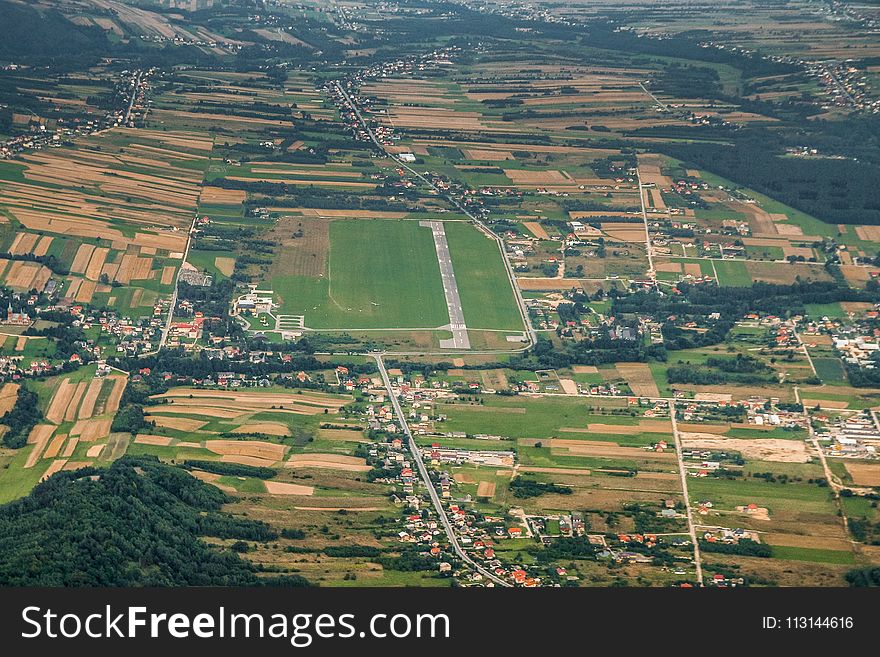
(460, 338)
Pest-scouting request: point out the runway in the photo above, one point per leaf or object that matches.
(460, 338)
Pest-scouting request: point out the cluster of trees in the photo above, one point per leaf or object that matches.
(231, 469)
(745, 370)
(523, 488)
(863, 577)
(545, 355)
(136, 523)
(21, 418)
(745, 547)
(698, 302)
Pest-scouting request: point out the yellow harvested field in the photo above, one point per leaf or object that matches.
(96, 263)
(150, 439)
(39, 438)
(23, 276)
(168, 274)
(639, 378)
(225, 266)
(70, 447)
(183, 409)
(95, 450)
(178, 423)
(82, 258)
(56, 466)
(91, 430)
(60, 401)
(536, 229)
(258, 449)
(55, 446)
(545, 284)
(490, 155)
(220, 196)
(86, 291)
(329, 461)
(119, 382)
(825, 403)
(76, 465)
(70, 413)
(486, 489)
(569, 386)
(8, 396)
(864, 473)
(282, 488)
(307, 403)
(87, 408)
(546, 177)
(868, 233)
(23, 243)
(598, 448)
(269, 428)
(43, 245)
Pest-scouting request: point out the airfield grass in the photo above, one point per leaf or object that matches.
(486, 295)
(381, 274)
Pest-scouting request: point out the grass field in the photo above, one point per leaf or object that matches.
(486, 296)
(381, 274)
(732, 273)
(830, 370)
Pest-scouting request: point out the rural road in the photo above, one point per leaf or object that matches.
(134, 91)
(682, 472)
(524, 312)
(423, 473)
(652, 274)
(167, 328)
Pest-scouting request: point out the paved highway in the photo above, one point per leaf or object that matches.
(682, 472)
(423, 472)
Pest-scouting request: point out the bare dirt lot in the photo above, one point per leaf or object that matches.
(762, 449)
(864, 473)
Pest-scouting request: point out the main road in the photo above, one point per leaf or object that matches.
(423, 472)
(682, 472)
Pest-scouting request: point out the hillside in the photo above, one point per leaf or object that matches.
(137, 523)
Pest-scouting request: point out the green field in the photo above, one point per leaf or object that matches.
(486, 294)
(830, 370)
(732, 273)
(381, 274)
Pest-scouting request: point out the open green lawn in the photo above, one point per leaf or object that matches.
(486, 295)
(381, 274)
(813, 554)
(519, 417)
(727, 494)
(732, 273)
(830, 370)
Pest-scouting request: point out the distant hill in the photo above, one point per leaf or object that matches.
(31, 36)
